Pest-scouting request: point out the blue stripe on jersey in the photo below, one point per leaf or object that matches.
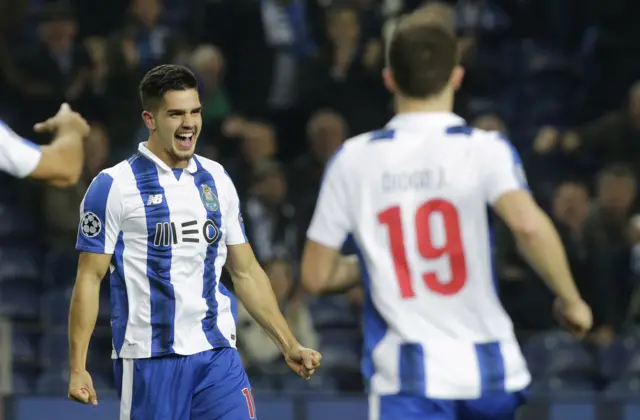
(95, 202)
(384, 134)
(163, 299)
(491, 366)
(459, 129)
(210, 321)
(412, 369)
(118, 297)
(517, 163)
(375, 326)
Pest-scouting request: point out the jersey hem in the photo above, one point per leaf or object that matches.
(137, 355)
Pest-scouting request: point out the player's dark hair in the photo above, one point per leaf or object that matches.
(162, 79)
(422, 56)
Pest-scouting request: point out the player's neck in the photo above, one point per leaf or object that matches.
(162, 154)
(442, 103)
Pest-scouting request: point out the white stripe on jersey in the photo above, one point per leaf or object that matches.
(168, 232)
(18, 157)
(414, 197)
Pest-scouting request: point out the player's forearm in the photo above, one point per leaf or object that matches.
(543, 249)
(344, 275)
(255, 292)
(82, 320)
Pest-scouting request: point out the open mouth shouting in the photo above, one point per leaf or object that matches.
(184, 140)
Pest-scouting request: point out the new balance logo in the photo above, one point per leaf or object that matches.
(154, 199)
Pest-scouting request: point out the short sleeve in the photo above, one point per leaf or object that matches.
(503, 170)
(18, 157)
(332, 222)
(236, 234)
(101, 214)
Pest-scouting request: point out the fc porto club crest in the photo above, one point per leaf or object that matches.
(209, 199)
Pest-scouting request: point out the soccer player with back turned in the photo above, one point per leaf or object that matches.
(164, 223)
(414, 196)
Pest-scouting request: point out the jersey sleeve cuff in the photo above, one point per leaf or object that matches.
(326, 240)
(93, 249)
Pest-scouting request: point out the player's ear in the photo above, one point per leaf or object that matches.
(389, 81)
(148, 119)
(456, 77)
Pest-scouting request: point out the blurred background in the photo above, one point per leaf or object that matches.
(283, 83)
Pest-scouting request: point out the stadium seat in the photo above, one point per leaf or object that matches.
(54, 349)
(24, 345)
(556, 352)
(18, 299)
(567, 386)
(23, 381)
(53, 382)
(332, 312)
(616, 357)
(14, 222)
(19, 263)
(55, 308)
(59, 268)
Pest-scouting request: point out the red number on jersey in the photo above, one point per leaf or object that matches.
(248, 395)
(452, 247)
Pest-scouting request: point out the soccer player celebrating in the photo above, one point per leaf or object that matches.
(165, 222)
(414, 196)
(59, 163)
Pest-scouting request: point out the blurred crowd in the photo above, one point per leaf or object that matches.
(283, 84)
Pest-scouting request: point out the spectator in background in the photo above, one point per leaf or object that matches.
(140, 44)
(60, 64)
(345, 75)
(60, 206)
(256, 347)
(257, 144)
(208, 64)
(269, 218)
(606, 232)
(613, 138)
(326, 130)
(490, 122)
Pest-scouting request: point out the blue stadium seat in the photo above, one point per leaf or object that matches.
(14, 222)
(60, 268)
(24, 345)
(53, 382)
(19, 299)
(568, 386)
(616, 357)
(623, 387)
(19, 263)
(320, 383)
(23, 381)
(332, 312)
(55, 308)
(557, 352)
(54, 349)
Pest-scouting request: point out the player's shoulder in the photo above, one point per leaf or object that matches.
(116, 176)
(354, 146)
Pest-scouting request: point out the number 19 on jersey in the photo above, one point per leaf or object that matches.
(451, 248)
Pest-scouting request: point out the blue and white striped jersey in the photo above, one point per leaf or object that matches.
(168, 231)
(18, 157)
(414, 197)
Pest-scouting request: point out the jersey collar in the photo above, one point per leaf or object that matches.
(192, 166)
(422, 119)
